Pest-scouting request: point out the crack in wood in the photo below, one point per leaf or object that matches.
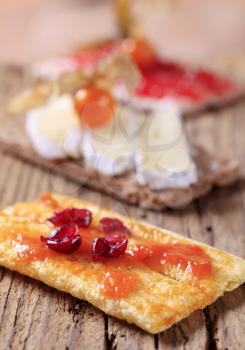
(156, 341)
(45, 322)
(110, 338)
(210, 327)
(77, 310)
(7, 297)
(30, 326)
(2, 270)
(184, 336)
(17, 311)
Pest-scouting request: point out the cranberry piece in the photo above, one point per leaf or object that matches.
(101, 248)
(118, 244)
(111, 225)
(79, 217)
(63, 240)
(110, 246)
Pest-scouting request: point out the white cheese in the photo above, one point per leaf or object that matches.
(163, 157)
(110, 149)
(154, 144)
(54, 129)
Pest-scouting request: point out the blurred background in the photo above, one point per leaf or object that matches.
(187, 29)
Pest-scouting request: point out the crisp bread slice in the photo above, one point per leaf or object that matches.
(151, 296)
(211, 171)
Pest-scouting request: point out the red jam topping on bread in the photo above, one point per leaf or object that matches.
(161, 77)
(82, 238)
(98, 246)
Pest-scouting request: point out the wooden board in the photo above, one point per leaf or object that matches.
(34, 316)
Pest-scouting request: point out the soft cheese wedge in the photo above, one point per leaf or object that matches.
(54, 129)
(163, 157)
(161, 278)
(111, 149)
(154, 144)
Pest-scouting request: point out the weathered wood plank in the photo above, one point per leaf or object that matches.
(122, 337)
(227, 314)
(188, 334)
(223, 216)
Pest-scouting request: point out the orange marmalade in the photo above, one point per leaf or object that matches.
(116, 284)
(116, 277)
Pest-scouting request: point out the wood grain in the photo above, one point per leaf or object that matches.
(34, 316)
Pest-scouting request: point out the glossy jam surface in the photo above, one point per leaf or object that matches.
(115, 272)
(116, 284)
(165, 78)
(30, 249)
(188, 258)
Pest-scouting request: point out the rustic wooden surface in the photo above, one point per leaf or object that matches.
(34, 316)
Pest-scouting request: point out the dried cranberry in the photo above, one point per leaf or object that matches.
(118, 244)
(111, 225)
(110, 246)
(63, 240)
(101, 248)
(80, 217)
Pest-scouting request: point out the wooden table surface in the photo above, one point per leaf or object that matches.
(34, 316)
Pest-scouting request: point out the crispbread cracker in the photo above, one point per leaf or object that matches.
(212, 171)
(159, 300)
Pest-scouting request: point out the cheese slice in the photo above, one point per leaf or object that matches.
(111, 149)
(54, 129)
(163, 158)
(154, 299)
(155, 145)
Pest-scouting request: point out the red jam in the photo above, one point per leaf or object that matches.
(116, 284)
(79, 217)
(160, 77)
(91, 56)
(169, 79)
(75, 247)
(30, 249)
(158, 257)
(189, 258)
